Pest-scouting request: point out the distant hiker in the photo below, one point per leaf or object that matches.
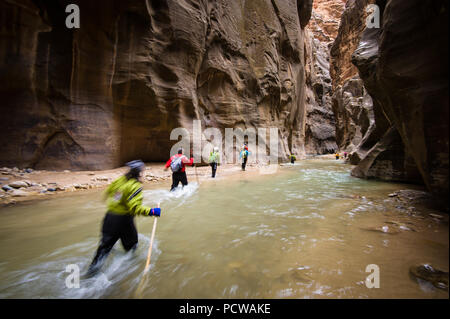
(124, 201)
(292, 158)
(214, 158)
(244, 155)
(177, 164)
(345, 155)
(337, 156)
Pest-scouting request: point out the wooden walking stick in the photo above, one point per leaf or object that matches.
(196, 175)
(144, 279)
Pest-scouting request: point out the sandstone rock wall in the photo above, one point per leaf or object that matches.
(400, 132)
(404, 66)
(351, 104)
(111, 91)
(320, 34)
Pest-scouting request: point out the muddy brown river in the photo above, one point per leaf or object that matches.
(304, 232)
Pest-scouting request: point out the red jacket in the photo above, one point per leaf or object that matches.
(184, 161)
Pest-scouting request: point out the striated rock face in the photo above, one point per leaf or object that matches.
(320, 124)
(353, 110)
(362, 128)
(325, 19)
(321, 31)
(352, 105)
(404, 66)
(351, 27)
(111, 91)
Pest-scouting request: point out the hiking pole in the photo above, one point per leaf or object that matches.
(147, 263)
(196, 175)
(149, 254)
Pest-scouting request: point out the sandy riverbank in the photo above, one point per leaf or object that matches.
(19, 185)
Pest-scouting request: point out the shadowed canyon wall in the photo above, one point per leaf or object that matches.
(404, 68)
(111, 91)
(320, 134)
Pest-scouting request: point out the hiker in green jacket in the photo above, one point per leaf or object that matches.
(214, 159)
(293, 158)
(124, 201)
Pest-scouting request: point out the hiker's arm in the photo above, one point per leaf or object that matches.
(108, 191)
(135, 206)
(168, 164)
(188, 162)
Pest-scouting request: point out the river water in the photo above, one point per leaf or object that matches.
(300, 233)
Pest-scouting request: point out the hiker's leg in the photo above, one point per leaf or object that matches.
(104, 249)
(244, 163)
(183, 178)
(129, 236)
(175, 181)
(110, 235)
(214, 169)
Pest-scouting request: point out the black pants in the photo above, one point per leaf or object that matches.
(214, 169)
(244, 163)
(178, 177)
(292, 161)
(115, 227)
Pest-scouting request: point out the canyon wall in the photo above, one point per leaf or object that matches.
(351, 104)
(404, 68)
(320, 134)
(112, 91)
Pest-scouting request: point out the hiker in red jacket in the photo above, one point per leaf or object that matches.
(178, 164)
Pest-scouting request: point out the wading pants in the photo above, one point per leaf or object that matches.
(115, 227)
(214, 169)
(178, 177)
(244, 163)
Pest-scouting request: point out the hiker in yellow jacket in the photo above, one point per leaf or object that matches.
(214, 159)
(293, 158)
(124, 201)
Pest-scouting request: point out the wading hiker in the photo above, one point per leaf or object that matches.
(214, 159)
(177, 164)
(124, 201)
(244, 155)
(292, 158)
(337, 155)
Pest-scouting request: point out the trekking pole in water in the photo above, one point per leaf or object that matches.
(196, 175)
(149, 254)
(147, 263)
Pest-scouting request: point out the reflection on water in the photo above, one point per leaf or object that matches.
(301, 233)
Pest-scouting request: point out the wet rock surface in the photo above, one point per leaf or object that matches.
(427, 272)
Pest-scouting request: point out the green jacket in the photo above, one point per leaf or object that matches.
(124, 196)
(214, 157)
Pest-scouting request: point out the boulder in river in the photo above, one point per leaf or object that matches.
(7, 188)
(18, 193)
(298, 275)
(427, 272)
(383, 229)
(18, 184)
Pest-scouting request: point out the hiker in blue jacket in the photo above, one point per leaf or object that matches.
(244, 155)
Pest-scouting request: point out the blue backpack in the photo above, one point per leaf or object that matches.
(177, 164)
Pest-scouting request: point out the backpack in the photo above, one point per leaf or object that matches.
(244, 154)
(177, 164)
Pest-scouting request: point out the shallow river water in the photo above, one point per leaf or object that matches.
(300, 233)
